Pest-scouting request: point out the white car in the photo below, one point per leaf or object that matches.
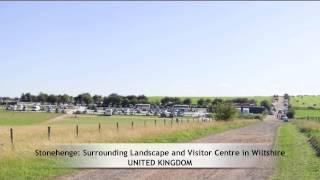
(36, 108)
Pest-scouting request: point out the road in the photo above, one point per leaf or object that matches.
(264, 132)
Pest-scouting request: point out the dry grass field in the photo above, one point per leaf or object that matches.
(18, 160)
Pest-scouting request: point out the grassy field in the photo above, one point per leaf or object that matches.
(112, 120)
(305, 101)
(24, 118)
(300, 161)
(194, 100)
(20, 162)
(303, 105)
(304, 113)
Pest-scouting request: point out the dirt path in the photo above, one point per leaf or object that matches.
(58, 118)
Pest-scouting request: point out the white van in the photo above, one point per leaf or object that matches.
(108, 112)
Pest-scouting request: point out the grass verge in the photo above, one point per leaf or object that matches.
(300, 161)
(24, 118)
(311, 129)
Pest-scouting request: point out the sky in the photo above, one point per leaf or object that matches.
(160, 48)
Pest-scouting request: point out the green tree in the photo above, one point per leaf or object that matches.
(215, 102)
(25, 97)
(125, 102)
(87, 99)
(34, 98)
(42, 97)
(53, 99)
(266, 104)
(142, 99)
(165, 100)
(176, 100)
(97, 99)
(224, 111)
(207, 102)
(65, 99)
(133, 99)
(187, 101)
(200, 102)
(114, 99)
(84, 98)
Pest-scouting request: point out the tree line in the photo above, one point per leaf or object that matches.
(124, 101)
(85, 99)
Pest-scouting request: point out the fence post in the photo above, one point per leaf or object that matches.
(49, 132)
(99, 127)
(117, 126)
(11, 136)
(77, 130)
(155, 122)
(164, 122)
(131, 124)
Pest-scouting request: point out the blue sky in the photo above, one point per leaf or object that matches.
(160, 48)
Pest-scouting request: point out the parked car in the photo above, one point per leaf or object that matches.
(126, 111)
(108, 112)
(180, 113)
(165, 114)
(284, 118)
(36, 108)
(149, 113)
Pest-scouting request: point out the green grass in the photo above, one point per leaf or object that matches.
(311, 129)
(29, 168)
(305, 101)
(154, 99)
(188, 135)
(24, 118)
(303, 113)
(125, 120)
(300, 161)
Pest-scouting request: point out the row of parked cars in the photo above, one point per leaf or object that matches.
(23, 108)
(158, 112)
(38, 108)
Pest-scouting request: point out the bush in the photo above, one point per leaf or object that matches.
(224, 111)
(266, 104)
(251, 116)
(290, 113)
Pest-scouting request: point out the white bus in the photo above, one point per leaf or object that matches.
(181, 107)
(143, 107)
